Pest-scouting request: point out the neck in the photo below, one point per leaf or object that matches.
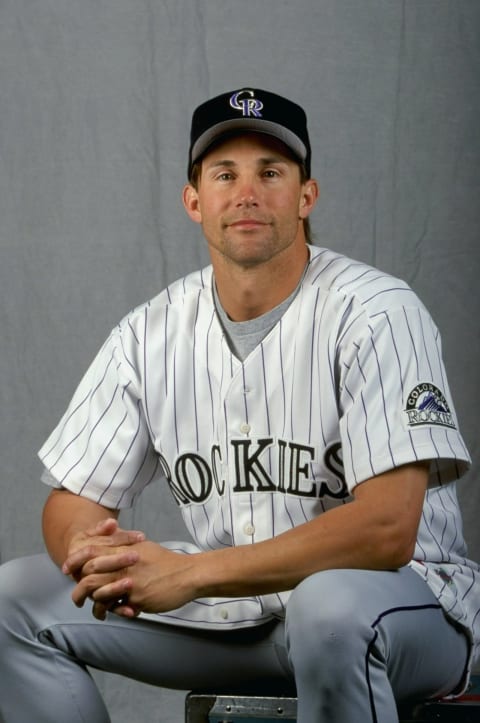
(246, 293)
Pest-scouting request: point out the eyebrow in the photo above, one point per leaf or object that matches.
(263, 161)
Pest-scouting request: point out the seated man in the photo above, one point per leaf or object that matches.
(296, 404)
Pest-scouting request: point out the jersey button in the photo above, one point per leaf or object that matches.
(249, 529)
(245, 428)
(224, 613)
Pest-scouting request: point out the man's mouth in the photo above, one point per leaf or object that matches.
(246, 224)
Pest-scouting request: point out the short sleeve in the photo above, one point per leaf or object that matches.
(102, 448)
(395, 402)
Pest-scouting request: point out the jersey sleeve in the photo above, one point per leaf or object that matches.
(395, 402)
(102, 448)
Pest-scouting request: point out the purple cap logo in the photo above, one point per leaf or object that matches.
(249, 106)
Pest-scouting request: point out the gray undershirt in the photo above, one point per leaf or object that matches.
(244, 336)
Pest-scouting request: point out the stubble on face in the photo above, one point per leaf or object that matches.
(248, 243)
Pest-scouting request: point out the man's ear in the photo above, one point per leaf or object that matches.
(309, 197)
(191, 203)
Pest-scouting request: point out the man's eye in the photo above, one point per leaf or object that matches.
(225, 176)
(270, 173)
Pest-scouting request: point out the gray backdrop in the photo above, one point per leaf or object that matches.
(95, 105)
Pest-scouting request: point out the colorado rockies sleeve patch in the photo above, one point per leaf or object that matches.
(426, 405)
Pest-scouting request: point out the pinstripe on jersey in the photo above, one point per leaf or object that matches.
(251, 449)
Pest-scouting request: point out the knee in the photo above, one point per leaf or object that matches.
(9, 594)
(10, 576)
(326, 598)
(324, 618)
(20, 582)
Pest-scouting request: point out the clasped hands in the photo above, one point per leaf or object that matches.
(122, 572)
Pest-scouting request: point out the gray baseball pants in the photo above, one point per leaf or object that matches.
(353, 640)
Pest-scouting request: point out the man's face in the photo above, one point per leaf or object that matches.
(250, 200)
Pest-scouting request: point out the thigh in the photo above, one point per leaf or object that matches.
(184, 658)
(389, 620)
(426, 653)
(37, 600)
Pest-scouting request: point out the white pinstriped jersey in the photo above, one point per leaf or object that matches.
(348, 384)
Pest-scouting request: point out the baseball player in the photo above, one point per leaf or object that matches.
(296, 404)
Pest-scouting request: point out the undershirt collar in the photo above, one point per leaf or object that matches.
(244, 336)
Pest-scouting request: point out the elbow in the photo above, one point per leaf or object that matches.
(403, 556)
(398, 549)
(400, 554)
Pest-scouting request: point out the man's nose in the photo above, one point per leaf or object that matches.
(247, 194)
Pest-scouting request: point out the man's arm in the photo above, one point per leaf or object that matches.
(376, 531)
(71, 523)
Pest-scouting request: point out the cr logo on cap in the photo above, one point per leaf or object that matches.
(249, 106)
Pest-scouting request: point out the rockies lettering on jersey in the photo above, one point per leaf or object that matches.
(193, 478)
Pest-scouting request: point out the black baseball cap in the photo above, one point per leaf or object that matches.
(250, 109)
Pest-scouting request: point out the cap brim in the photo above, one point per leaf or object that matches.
(207, 138)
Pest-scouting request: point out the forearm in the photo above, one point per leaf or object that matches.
(66, 515)
(376, 531)
(282, 562)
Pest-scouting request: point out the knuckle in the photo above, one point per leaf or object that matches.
(90, 585)
(91, 567)
(87, 552)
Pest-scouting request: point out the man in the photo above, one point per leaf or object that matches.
(297, 405)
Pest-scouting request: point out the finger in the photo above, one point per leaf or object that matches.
(123, 607)
(114, 592)
(100, 571)
(126, 537)
(77, 559)
(102, 588)
(76, 563)
(104, 527)
(125, 610)
(99, 611)
(110, 563)
(110, 528)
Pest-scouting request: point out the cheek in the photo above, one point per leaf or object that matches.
(210, 208)
(288, 208)
(211, 223)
